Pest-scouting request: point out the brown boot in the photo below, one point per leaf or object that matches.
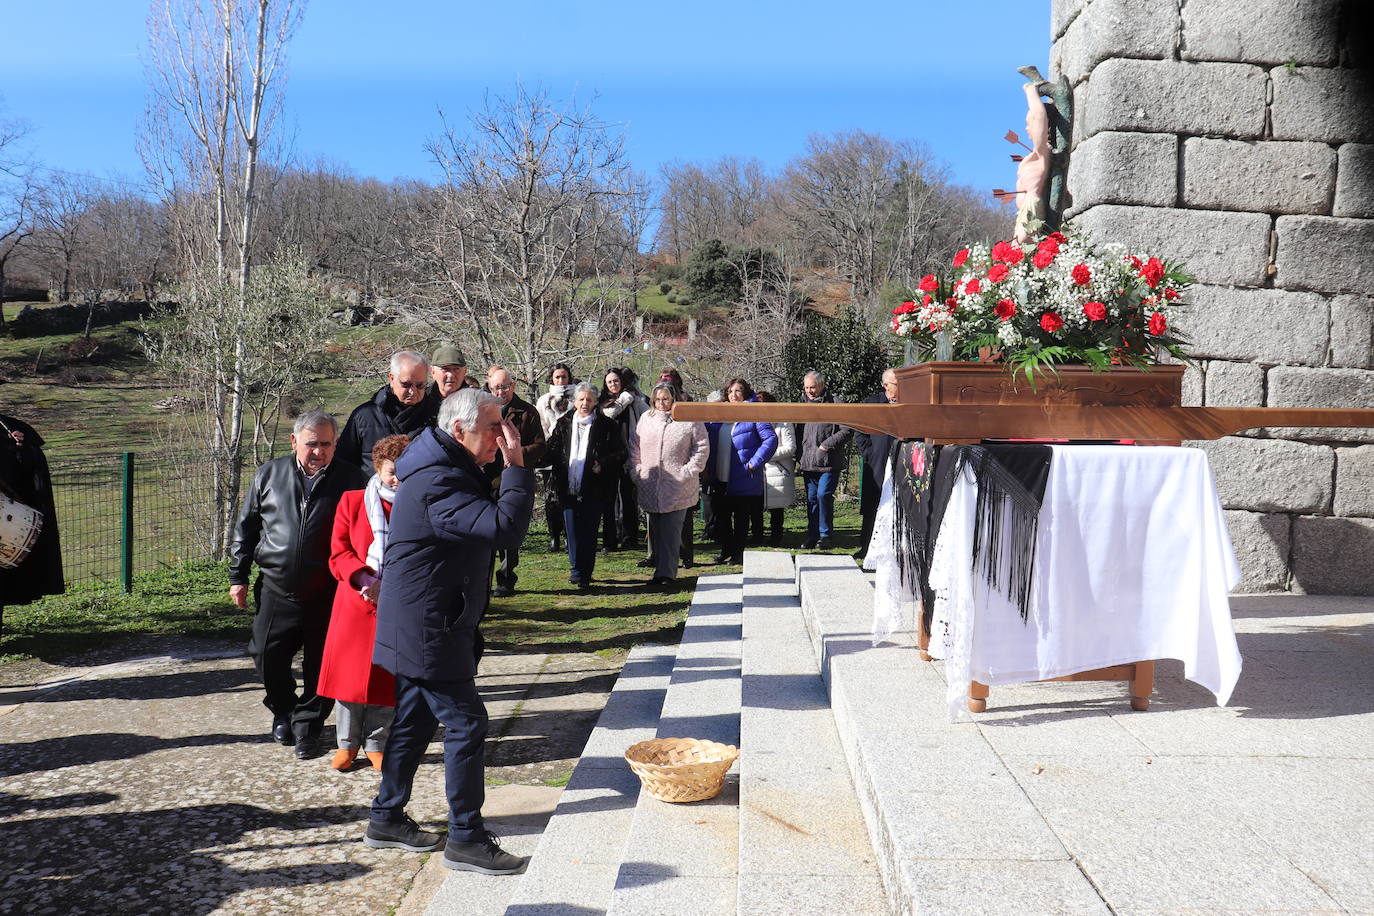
(376, 758)
(343, 758)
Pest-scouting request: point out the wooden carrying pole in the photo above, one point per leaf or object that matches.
(974, 422)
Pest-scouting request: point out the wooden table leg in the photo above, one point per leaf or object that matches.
(977, 697)
(1142, 684)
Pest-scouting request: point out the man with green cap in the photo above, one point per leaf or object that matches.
(449, 370)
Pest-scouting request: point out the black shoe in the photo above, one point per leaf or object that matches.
(281, 730)
(646, 563)
(808, 544)
(720, 558)
(554, 546)
(687, 564)
(859, 555)
(308, 748)
(502, 591)
(824, 544)
(584, 584)
(403, 834)
(485, 856)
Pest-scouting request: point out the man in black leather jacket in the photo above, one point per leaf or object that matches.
(403, 406)
(285, 527)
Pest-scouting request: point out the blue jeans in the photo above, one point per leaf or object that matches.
(580, 521)
(420, 707)
(820, 503)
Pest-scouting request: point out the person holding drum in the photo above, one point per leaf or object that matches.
(30, 551)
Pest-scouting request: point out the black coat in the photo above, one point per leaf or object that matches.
(382, 416)
(605, 449)
(285, 533)
(445, 525)
(24, 475)
(875, 448)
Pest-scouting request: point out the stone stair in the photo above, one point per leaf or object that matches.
(786, 835)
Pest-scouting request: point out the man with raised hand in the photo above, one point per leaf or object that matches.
(446, 523)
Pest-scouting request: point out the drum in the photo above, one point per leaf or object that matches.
(20, 526)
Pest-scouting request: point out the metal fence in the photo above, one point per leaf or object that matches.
(125, 513)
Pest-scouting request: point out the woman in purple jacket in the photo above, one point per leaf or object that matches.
(738, 453)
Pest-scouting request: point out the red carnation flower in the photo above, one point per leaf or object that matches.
(1013, 255)
(925, 300)
(972, 286)
(1051, 322)
(1135, 262)
(960, 257)
(904, 308)
(998, 272)
(1170, 294)
(1095, 311)
(1153, 272)
(928, 283)
(999, 251)
(1004, 309)
(1043, 258)
(951, 304)
(1058, 238)
(1082, 274)
(1158, 324)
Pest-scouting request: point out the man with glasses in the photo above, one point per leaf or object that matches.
(525, 419)
(400, 407)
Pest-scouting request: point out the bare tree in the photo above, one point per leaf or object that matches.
(214, 68)
(524, 235)
(62, 217)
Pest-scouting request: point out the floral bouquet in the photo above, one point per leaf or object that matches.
(1062, 300)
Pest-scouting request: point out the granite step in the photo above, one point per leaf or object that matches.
(804, 846)
(685, 858)
(953, 829)
(574, 866)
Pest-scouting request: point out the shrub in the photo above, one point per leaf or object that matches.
(665, 287)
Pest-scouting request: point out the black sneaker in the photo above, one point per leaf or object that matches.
(824, 544)
(646, 563)
(502, 591)
(485, 856)
(808, 544)
(403, 834)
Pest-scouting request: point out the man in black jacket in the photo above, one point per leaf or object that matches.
(822, 460)
(526, 420)
(285, 527)
(400, 407)
(874, 447)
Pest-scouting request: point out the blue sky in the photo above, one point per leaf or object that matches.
(691, 81)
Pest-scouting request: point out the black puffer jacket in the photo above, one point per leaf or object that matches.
(285, 533)
(605, 449)
(382, 416)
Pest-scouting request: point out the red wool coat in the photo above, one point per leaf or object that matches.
(347, 672)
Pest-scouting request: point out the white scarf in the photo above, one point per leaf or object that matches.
(376, 516)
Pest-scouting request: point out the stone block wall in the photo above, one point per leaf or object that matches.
(1237, 136)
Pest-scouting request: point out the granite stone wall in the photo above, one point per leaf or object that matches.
(1238, 136)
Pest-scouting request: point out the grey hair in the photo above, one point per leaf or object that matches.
(665, 386)
(401, 358)
(314, 419)
(462, 408)
(586, 386)
(818, 376)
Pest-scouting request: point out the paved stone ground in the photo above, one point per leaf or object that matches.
(151, 785)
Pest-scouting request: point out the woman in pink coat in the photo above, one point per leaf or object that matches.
(667, 457)
(366, 692)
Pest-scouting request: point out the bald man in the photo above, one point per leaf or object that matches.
(526, 420)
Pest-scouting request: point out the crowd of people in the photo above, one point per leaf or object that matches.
(378, 547)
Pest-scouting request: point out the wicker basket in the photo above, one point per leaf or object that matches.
(681, 769)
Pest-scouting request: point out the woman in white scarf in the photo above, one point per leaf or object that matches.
(365, 692)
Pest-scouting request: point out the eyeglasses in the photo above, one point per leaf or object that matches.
(501, 387)
(409, 385)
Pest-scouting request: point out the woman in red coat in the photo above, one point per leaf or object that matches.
(366, 693)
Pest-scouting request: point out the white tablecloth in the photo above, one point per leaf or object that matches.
(1133, 562)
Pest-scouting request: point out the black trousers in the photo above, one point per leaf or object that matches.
(868, 508)
(507, 559)
(733, 514)
(283, 626)
(621, 521)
